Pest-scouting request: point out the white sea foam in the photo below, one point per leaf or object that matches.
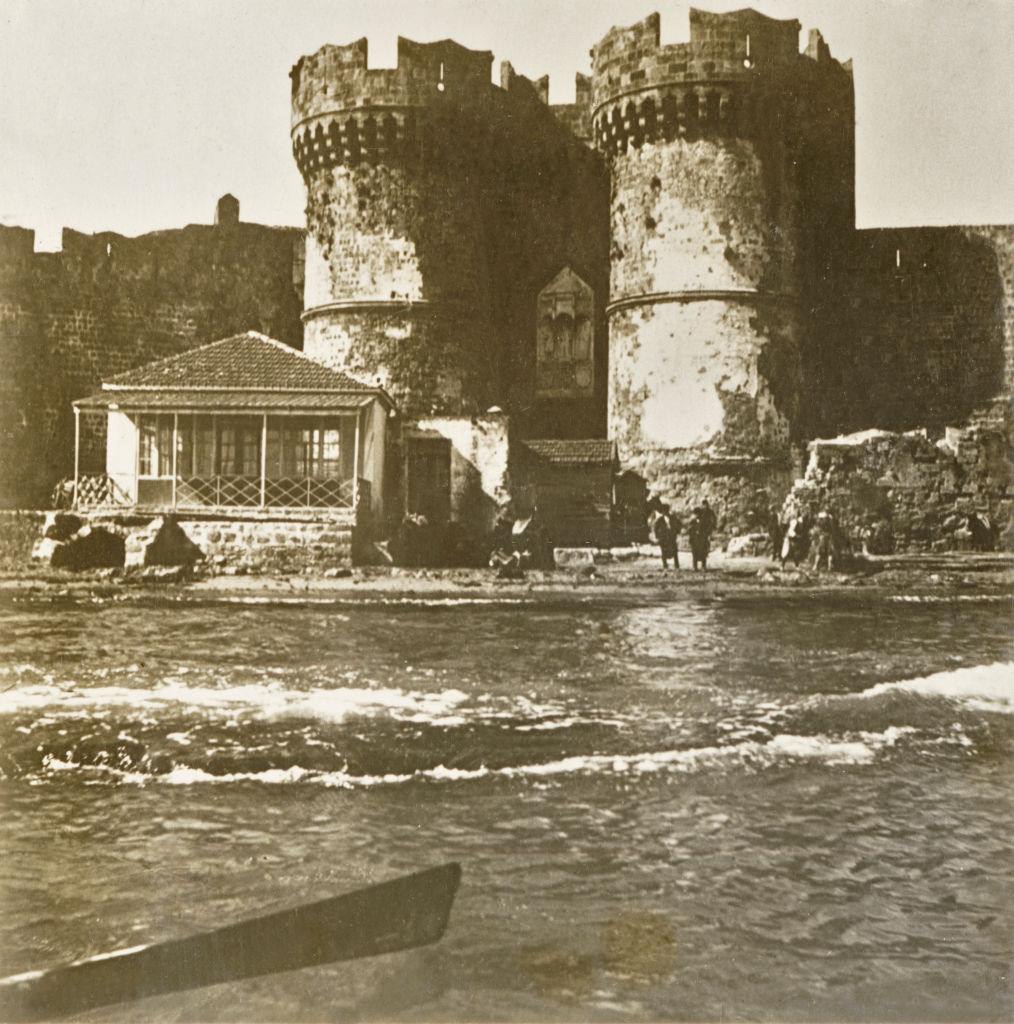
(273, 701)
(266, 702)
(856, 749)
(183, 776)
(983, 687)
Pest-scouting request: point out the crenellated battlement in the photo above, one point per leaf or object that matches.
(345, 112)
(728, 79)
(339, 78)
(438, 103)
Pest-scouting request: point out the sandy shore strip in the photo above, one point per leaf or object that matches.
(953, 576)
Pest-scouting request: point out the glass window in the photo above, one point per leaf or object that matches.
(155, 445)
(239, 446)
(319, 448)
(329, 466)
(250, 448)
(204, 446)
(273, 459)
(146, 425)
(227, 450)
(185, 446)
(165, 446)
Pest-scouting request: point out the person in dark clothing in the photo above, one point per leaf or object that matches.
(795, 540)
(666, 531)
(823, 542)
(699, 532)
(708, 517)
(531, 541)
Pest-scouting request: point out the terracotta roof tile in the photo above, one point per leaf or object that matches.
(244, 361)
(586, 451)
(213, 400)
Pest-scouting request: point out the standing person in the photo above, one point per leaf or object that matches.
(665, 537)
(676, 525)
(709, 518)
(653, 508)
(700, 538)
(823, 541)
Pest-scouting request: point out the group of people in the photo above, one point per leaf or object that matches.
(666, 526)
(519, 543)
(819, 540)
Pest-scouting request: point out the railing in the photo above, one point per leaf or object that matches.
(245, 492)
(100, 491)
(218, 491)
(203, 492)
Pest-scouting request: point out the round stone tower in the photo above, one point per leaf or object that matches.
(397, 280)
(704, 321)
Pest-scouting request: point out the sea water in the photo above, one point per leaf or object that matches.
(774, 806)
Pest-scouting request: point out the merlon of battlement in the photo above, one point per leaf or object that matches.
(337, 77)
(744, 34)
(512, 82)
(728, 50)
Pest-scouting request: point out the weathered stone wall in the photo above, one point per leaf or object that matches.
(19, 531)
(267, 544)
(480, 470)
(107, 303)
(700, 308)
(438, 207)
(551, 191)
(925, 337)
(254, 543)
(710, 228)
(741, 492)
(398, 286)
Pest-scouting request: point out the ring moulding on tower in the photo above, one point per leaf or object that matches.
(704, 319)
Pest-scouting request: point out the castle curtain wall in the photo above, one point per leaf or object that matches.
(106, 304)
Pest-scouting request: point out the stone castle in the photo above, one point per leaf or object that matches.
(671, 262)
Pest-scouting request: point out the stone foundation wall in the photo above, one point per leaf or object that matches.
(303, 545)
(925, 334)
(249, 544)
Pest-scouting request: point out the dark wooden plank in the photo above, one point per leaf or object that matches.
(401, 914)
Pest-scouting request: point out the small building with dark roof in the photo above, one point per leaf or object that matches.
(244, 423)
(571, 483)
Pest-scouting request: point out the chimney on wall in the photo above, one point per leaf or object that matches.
(227, 210)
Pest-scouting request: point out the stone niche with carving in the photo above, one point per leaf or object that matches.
(565, 360)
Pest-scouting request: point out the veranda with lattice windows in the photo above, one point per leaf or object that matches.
(190, 461)
(245, 423)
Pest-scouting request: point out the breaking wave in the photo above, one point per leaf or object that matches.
(264, 701)
(983, 687)
(183, 732)
(858, 749)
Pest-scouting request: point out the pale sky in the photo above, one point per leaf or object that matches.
(135, 115)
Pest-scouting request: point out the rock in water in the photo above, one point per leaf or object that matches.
(172, 546)
(61, 525)
(162, 542)
(92, 547)
(46, 549)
